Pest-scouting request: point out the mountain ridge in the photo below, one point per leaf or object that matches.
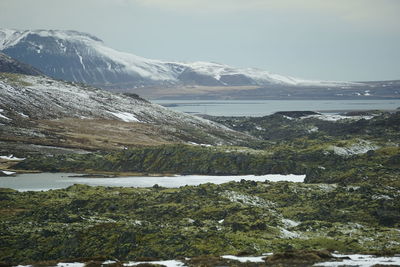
(80, 57)
(10, 65)
(86, 53)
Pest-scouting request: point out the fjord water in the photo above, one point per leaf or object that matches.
(266, 107)
(47, 181)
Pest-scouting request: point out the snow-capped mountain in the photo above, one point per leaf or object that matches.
(81, 57)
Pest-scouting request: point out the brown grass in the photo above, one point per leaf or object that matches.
(103, 134)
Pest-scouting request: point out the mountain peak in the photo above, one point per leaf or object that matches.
(81, 57)
(11, 37)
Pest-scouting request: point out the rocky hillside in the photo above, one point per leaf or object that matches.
(40, 110)
(10, 65)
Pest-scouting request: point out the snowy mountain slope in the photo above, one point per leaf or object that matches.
(80, 57)
(36, 99)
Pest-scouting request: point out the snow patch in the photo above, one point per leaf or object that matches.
(81, 60)
(361, 261)
(7, 172)
(335, 117)
(125, 116)
(70, 264)
(11, 157)
(168, 263)
(2, 116)
(361, 147)
(62, 264)
(247, 199)
(312, 130)
(288, 234)
(244, 259)
(290, 223)
(196, 144)
(109, 262)
(23, 115)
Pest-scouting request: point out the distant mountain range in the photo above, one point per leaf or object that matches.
(81, 57)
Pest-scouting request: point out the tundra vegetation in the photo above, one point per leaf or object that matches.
(349, 202)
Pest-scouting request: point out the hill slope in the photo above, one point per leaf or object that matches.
(10, 65)
(40, 110)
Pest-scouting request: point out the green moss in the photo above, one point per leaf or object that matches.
(130, 223)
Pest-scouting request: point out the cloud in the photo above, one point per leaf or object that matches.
(368, 13)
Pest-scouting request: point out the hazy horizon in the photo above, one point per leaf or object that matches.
(354, 40)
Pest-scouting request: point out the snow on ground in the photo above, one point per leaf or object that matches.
(335, 117)
(109, 262)
(196, 144)
(2, 116)
(23, 115)
(312, 130)
(11, 157)
(246, 199)
(70, 264)
(62, 264)
(125, 116)
(361, 147)
(168, 263)
(288, 178)
(356, 260)
(290, 223)
(288, 234)
(244, 259)
(361, 261)
(7, 172)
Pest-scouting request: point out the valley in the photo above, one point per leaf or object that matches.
(347, 201)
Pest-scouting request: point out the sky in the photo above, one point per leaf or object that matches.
(348, 40)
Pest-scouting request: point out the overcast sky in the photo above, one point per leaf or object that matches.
(313, 39)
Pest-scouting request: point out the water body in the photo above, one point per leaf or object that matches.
(47, 181)
(266, 107)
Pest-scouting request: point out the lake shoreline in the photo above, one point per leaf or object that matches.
(259, 108)
(48, 181)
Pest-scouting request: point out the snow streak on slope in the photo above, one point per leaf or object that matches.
(76, 56)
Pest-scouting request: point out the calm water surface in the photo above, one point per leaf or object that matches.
(47, 181)
(267, 107)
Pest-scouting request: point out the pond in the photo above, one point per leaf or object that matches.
(47, 181)
(267, 107)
